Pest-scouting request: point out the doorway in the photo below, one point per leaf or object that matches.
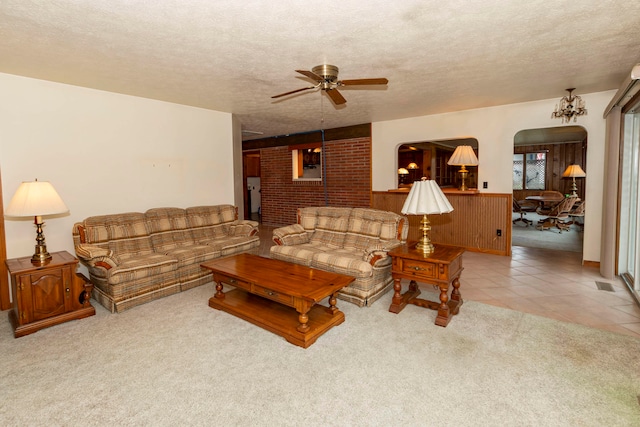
(251, 180)
(541, 158)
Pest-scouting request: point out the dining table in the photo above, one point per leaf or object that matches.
(546, 200)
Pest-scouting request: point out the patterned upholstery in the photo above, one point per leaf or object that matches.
(351, 241)
(134, 257)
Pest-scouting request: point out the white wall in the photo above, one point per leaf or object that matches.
(107, 153)
(495, 128)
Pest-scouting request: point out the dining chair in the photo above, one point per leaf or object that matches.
(578, 212)
(558, 215)
(522, 209)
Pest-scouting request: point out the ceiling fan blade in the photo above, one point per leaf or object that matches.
(293, 91)
(356, 82)
(336, 96)
(311, 75)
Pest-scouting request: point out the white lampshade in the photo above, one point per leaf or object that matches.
(463, 155)
(574, 171)
(35, 198)
(403, 171)
(426, 198)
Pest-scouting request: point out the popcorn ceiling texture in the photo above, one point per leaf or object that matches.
(233, 56)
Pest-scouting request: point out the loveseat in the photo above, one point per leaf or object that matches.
(133, 258)
(351, 241)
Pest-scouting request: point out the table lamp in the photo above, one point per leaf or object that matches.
(402, 172)
(36, 199)
(573, 172)
(426, 198)
(463, 156)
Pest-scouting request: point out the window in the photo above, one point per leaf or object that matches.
(529, 171)
(307, 163)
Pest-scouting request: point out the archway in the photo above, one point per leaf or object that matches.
(541, 158)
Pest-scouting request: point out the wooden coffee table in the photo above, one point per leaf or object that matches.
(278, 296)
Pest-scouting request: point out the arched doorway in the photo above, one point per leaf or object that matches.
(541, 158)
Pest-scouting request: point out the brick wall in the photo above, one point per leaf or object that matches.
(348, 180)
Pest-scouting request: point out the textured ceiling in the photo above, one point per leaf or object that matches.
(232, 56)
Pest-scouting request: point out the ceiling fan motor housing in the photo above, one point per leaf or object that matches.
(327, 72)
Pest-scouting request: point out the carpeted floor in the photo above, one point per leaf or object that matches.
(176, 361)
(531, 237)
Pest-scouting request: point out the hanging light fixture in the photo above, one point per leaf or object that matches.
(570, 107)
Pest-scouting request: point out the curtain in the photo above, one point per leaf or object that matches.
(608, 247)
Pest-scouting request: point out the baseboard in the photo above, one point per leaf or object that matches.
(591, 263)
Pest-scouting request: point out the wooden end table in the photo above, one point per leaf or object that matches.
(278, 296)
(47, 294)
(441, 268)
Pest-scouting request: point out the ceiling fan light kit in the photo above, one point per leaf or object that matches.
(326, 78)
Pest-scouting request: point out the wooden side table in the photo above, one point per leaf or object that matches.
(48, 294)
(441, 268)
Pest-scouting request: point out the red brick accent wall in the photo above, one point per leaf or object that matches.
(348, 181)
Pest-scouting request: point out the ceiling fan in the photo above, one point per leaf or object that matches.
(326, 78)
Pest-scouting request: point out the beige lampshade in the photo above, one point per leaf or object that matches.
(403, 171)
(426, 198)
(412, 166)
(35, 198)
(463, 155)
(574, 171)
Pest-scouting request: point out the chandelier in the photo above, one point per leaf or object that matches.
(570, 107)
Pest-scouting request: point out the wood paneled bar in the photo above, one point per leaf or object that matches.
(473, 224)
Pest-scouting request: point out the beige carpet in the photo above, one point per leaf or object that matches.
(178, 362)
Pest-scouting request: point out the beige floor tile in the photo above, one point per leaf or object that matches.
(541, 282)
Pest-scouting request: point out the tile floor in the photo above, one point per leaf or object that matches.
(543, 282)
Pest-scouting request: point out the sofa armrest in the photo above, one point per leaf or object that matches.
(243, 227)
(379, 251)
(95, 256)
(290, 235)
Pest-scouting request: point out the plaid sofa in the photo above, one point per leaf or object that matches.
(351, 241)
(136, 257)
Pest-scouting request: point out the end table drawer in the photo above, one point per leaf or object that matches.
(419, 269)
(272, 295)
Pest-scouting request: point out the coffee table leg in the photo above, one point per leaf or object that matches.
(303, 327)
(332, 304)
(219, 294)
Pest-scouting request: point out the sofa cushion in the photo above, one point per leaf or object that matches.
(231, 245)
(210, 222)
(342, 261)
(193, 254)
(330, 226)
(125, 234)
(169, 229)
(140, 267)
(298, 254)
(375, 223)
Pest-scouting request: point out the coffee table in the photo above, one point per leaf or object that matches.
(278, 296)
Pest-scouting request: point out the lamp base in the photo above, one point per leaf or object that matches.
(574, 188)
(463, 178)
(425, 247)
(424, 244)
(41, 256)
